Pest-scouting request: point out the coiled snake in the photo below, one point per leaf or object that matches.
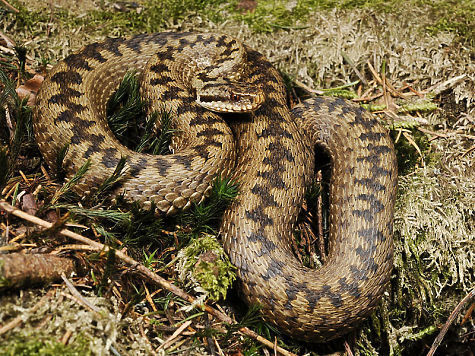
(268, 147)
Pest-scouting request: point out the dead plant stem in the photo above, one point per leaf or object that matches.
(450, 320)
(142, 270)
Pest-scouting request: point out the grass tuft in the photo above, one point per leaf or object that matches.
(202, 217)
(18, 109)
(144, 226)
(125, 108)
(111, 181)
(128, 119)
(66, 188)
(114, 216)
(60, 173)
(157, 144)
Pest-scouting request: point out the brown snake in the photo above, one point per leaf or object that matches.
(268, 147)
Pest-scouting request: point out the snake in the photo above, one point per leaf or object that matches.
(231, 117)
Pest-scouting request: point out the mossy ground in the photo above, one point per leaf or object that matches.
(418, 44)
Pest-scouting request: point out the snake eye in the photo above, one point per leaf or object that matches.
(235, 97)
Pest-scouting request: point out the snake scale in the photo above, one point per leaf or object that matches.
(268, 148)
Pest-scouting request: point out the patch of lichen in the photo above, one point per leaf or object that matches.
(48, 318)
(454, 16)
(433, 269)
(104, 18)
(434, 214)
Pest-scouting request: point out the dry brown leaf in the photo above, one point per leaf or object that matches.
(29, 204)
(30, 88)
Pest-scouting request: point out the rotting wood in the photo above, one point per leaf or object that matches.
(19, 269)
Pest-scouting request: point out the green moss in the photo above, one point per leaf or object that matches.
(204, 263)
(454, 16)
(152, 16)
(143, 227)
(26, 19)
(148, 16)
(141, 16)
(407, 155)
(22, 345)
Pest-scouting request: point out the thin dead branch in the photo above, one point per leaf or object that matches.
(353, 66)
(440, 87)
(348, 349)
(308, 89)
(382, 81)
(10, 7)
(78, 295)
(177, 332)
(143, 271)
(450, 320)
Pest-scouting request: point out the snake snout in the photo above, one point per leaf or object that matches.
(226, 97)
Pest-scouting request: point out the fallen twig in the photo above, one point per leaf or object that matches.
(8, 41)
(382, 81)
(450, 320)
(468, 314)
(348, 349)
(308, 89)
(177, 332)
(10, 7)
(18, 269)
(353, 66)
(78, 295)
(440, 87)
(144, 271)
(433, 133)
(409, 138)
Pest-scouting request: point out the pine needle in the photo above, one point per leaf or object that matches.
(72, 182)
(111, 180)
(60, 174)
(114, 216)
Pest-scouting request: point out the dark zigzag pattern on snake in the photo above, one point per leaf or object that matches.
(271, 154)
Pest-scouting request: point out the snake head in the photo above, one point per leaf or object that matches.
(226, 96)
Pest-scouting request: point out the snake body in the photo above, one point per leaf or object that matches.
(268, 149)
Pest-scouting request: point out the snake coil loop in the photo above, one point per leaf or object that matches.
(269, 150)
